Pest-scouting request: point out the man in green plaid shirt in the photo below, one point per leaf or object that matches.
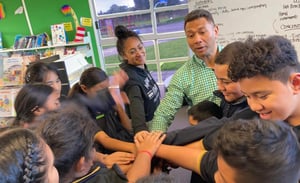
(195, 80)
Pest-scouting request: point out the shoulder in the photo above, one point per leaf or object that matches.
(104, 175)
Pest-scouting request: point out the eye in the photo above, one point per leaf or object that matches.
(132, 52)
(202, 32)
(262, 96)
(50, 83)
(141, 47)
(190, 35)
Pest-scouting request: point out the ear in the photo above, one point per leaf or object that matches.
(84, 88)
(39, 111)
(295, 82)
(216, 29)
(82, 167)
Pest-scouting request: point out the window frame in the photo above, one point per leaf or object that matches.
(154, 36)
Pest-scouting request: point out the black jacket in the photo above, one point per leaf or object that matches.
(143, 94)
(206, 128)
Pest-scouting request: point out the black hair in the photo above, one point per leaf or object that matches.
(122, 34)
(28, 100)
(274, 57)
(37, 72)
(229, 53)
(69, 132)
(89, 78)
(261, 151)
(198, 13)
(204, 110)
(23, 157)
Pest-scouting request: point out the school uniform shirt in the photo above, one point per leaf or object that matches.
(143, 94)
(230, 108)
(103, 175)
(110, 123)
(193, 81)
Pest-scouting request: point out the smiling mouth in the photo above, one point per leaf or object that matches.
(265, 115)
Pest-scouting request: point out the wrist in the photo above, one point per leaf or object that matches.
(146, 152)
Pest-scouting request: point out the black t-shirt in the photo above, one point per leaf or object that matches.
(103, 175)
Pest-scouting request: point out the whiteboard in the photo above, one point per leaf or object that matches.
(238, 19)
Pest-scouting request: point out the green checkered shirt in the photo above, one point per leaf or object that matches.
(194, 81)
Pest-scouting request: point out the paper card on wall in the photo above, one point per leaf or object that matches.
(58, 34)
(13, 70)
(86, 21)
(6, 103)
(68, 26)
(7, 100)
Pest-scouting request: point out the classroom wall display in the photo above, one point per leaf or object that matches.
(42, 14)
(238, 19)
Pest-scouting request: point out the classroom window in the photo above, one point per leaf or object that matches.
(158, 22)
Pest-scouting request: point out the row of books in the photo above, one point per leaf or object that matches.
(34, 41)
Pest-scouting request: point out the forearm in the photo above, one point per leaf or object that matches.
(137, 111)
(140, 167)
(114, 144)
(193, 133)
(182, 156)
(125, 121)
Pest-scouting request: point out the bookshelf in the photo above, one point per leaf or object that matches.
(69, 66)
(86, 42)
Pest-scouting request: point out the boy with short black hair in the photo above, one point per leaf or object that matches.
(202, 111)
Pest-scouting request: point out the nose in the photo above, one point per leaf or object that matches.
(57, 86)
(220, 86)
(198, 38)
(254, 105)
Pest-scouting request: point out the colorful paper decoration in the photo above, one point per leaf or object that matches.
(80, 31)
(2, 13)
(67, 10)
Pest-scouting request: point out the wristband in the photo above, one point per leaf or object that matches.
(147, 152)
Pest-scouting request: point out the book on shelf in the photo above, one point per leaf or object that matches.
(7, 99)
(13, 71)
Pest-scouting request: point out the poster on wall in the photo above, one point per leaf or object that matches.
(58, 34)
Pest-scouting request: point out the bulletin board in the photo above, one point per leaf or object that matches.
(42, 14)
(12, 24)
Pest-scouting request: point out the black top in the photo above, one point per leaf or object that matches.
(143, 94)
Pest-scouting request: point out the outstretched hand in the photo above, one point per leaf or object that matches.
(120, 158)
(151, 142)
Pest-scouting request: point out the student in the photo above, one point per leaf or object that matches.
(195, 80)
(245, 151)
(269, 76)
(114, 125)
(41, 72)
(25, 158)
(268, 73)
(73, 149)
(34, 100)
(141, 88)
(202, 111)
(233, 103)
